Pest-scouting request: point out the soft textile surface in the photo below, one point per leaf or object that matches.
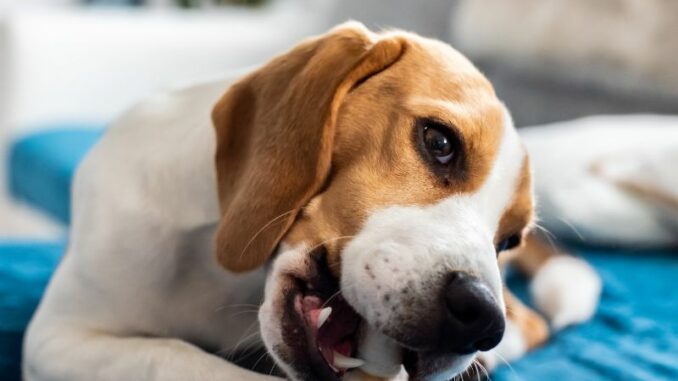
(41, 166)
(25, 269)
(634, 336)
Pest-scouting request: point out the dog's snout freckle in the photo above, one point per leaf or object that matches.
(369, 271)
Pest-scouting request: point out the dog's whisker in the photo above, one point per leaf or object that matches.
(261, 230)
(487, 374)
(233, 352)
(263, 355)
(270, 372)
(240, 313)
(337, 294)
(509, 366)
(245, 336)
(549, 235)
(474, 366)
(330, 298)
(309, 250)
(245, 354)
(574, 228)
(465, 373)
(230, 353)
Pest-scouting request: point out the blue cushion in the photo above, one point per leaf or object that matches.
(25, 268)
(41, 166)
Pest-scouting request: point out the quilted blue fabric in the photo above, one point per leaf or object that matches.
(41, 166)
(634, 335)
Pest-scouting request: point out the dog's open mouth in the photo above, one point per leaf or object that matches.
(322, 332)
(330, 326)
(334, 325)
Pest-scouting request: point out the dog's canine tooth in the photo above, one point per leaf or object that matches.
(324, 314)
(344, 362)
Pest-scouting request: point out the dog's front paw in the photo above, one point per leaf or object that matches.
(566, 290)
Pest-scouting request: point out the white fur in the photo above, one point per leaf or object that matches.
(291, 260)
(567, 290)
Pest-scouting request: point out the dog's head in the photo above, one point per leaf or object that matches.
(383, 175)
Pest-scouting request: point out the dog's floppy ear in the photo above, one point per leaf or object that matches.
(275, 130)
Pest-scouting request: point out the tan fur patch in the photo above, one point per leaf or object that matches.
(520, 213)
(275, 132)
(533, 327)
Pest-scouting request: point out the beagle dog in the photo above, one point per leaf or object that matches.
(346, 202)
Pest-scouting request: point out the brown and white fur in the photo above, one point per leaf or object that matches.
(315, 155)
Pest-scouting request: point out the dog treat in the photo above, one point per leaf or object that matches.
(382, 356)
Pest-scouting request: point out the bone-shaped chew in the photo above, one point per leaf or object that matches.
(382, 356)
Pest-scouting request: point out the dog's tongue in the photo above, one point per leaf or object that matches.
(335, 325)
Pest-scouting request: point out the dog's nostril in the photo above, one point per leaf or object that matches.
(488, 343)
(467, 298)
(463, 312)
(474, 320)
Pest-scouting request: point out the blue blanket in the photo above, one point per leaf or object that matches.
(633, 337)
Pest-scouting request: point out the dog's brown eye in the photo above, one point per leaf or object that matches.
(509, 243)
(439, 143)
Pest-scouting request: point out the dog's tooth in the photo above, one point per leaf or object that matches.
(323, 315)
(344, 362)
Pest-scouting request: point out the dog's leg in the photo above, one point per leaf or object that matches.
(565, 288)
(75, 354)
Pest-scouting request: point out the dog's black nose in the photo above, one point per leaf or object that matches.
(474, 321)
